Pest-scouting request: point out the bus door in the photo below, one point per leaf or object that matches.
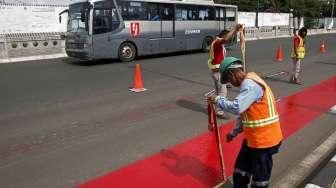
(167, 42)
(167, 21)
(105, 21)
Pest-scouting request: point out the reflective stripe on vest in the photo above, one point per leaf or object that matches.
(261, 122)
(300, 49)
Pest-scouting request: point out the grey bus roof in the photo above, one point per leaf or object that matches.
(197, 2)
(36, 2)
(194, 2)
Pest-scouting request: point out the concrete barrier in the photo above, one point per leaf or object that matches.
(21, 46)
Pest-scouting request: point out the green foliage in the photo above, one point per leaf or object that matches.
(306, 8)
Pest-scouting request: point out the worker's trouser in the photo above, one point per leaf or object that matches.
(296, 68)
(255, 163)
(219, 87)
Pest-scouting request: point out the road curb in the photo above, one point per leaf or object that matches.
(301, 171)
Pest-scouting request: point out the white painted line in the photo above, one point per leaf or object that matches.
(309, 185)
(333, 110)
(275, 74)
(333, 159)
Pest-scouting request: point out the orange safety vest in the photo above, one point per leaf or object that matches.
(261, 123)
(300, 49)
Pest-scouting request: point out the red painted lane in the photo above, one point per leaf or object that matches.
(195, 163)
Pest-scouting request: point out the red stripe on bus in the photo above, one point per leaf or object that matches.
(195, 163)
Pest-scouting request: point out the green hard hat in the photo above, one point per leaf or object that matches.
(228, 63)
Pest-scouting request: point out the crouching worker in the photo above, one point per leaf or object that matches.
(258, 120)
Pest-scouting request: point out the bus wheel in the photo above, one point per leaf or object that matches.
(206, 44)
(127, 52)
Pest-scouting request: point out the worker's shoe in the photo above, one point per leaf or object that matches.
(295, 81)
(298, 82)
(292, 79)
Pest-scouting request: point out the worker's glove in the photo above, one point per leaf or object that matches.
(229, 137)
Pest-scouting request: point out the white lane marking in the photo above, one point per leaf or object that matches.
(333, 159)
(309, 185)
(333, 109)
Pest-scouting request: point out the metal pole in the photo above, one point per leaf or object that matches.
(332, 9)
(256, 23)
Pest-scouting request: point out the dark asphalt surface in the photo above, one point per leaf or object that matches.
(63, 122)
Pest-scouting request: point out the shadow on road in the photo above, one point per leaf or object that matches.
(323, 62)
(187, 165)
(188, 104)
(77, 62)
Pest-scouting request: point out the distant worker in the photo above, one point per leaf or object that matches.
(217, 55)
(298, 53)
(259, 120)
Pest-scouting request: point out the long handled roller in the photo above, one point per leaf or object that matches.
(243, 46)
(212, 126)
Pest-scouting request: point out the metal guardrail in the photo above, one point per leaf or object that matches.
(273, 32)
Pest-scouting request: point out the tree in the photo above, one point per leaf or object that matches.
(306, 8)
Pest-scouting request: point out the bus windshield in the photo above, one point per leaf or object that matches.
(75, 24)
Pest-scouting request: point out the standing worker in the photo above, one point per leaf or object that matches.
(217, 55)
(298, 53)
(259, 120)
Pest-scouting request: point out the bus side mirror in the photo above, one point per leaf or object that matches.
(60, 15)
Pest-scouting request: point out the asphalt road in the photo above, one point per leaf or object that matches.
(63, 122)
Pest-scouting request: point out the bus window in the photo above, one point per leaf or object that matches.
(181, 13)
(192, 13)
(217, 14)
(101, 22)
(153, 12)
(206, 13)
(230, 14)
(221, 14)
(133, 10)
(105, 18)
(167, 12)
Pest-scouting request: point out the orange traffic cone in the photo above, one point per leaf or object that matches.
(137, 84)
(279, 55)
(322, 47)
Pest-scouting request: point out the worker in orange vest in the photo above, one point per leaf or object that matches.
(298, 53)
(258, 119)
(216, 56)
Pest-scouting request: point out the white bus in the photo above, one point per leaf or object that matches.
(125, 29)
